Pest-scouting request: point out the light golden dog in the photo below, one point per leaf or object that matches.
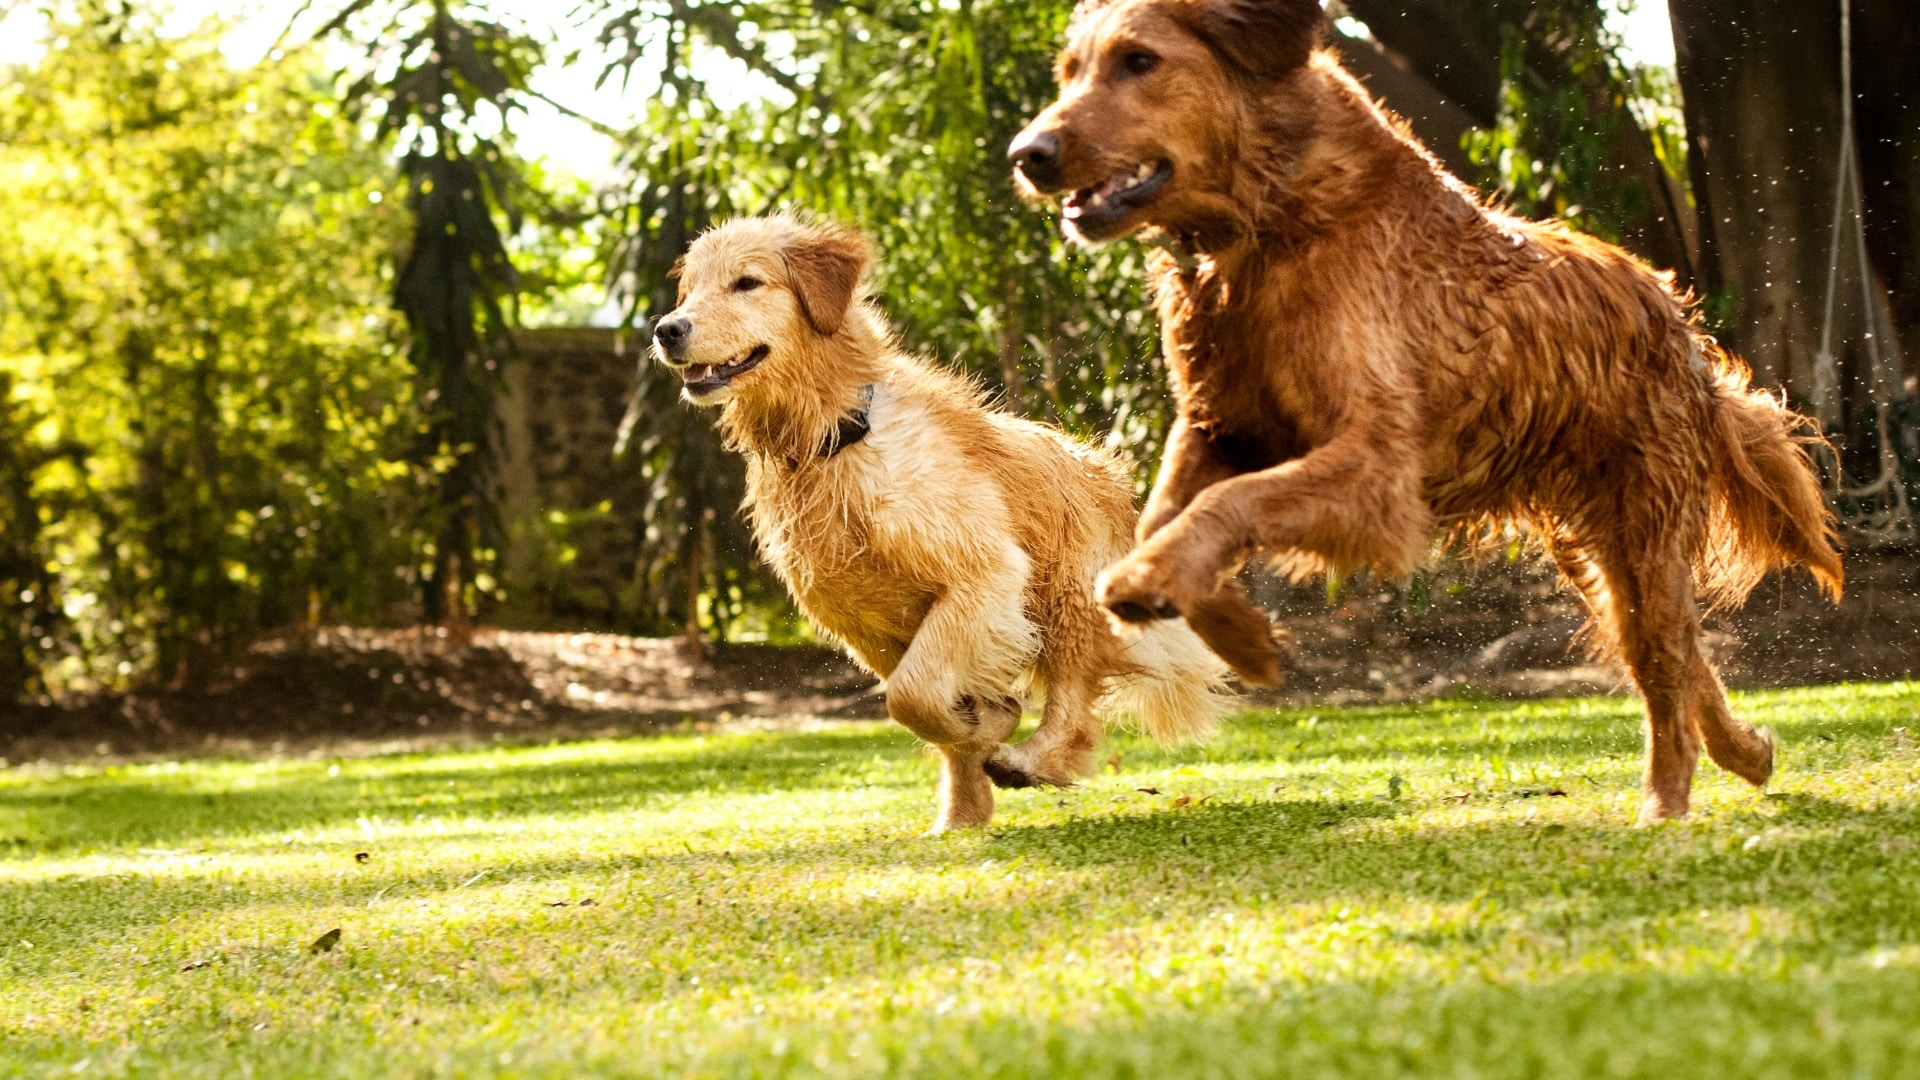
(1365, 355)
(951, 548)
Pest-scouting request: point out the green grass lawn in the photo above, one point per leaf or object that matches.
(1363, 892)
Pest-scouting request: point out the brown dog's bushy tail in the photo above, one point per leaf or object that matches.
(1178, 689)
(1768, 510)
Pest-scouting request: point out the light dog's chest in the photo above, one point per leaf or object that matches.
(865, 540)
(889, 506)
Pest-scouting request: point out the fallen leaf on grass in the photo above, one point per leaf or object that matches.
(195, 965)
(1182, 800)
(325, 942)
(1148, 790)
(361, 856)
(588, 902)
(1458, 798)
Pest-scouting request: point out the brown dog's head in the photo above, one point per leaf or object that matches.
(1155, 98)
(758, 293)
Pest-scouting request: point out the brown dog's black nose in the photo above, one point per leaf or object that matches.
(671, 335)
(1036, 155)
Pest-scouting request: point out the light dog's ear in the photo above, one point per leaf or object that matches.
(1264, 38)
(825, 268)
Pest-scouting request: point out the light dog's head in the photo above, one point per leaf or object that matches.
(759, 297)
(1156, 100)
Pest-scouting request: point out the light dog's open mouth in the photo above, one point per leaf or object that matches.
(705, 378)
(1128, 189)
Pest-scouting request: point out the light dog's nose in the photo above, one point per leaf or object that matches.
(1036, 156)
(671, 335)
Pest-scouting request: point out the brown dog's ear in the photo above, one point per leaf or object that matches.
(1264, 38)
(825, 267)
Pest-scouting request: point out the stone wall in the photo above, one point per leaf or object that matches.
(573, 512)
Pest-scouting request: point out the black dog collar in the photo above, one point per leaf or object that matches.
(854, 427)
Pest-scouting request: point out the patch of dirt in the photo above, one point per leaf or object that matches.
(1507, 630)
(1500, 631)
(395, 687)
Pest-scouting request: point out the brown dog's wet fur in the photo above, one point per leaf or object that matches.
(1366, 357)
(952, 548)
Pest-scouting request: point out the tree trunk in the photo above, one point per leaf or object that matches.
(1454, 46)
(1440, 122)
(1761, 82)
(1886, 79)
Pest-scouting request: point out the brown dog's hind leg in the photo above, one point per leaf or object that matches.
(1653, 620)
(966, 796)
(1732, 743)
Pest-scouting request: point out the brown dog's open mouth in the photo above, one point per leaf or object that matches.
(1111, 200)
(705, 378)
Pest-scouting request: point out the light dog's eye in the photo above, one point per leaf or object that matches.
(1139, 62)
(747, 284)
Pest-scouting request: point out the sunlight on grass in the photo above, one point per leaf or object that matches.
(1448, 889)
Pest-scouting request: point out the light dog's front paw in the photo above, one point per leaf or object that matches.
(993, 717)
(960, 720)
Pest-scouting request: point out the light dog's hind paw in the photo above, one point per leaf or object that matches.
(1007, 767)
(1005, 776)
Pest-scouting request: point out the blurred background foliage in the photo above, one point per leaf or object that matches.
(205, 398)
(254, 321)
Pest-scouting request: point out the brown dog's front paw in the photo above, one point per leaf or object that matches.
(1130, 590)
(1239, 633)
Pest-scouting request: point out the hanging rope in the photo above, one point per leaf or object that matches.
(1878, 511)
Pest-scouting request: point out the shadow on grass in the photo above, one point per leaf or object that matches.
(155, 808)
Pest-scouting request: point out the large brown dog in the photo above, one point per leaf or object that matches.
(952, 548)
(1365, 356)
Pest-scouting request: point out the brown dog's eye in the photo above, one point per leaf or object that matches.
(747, 284)
(1139, 62)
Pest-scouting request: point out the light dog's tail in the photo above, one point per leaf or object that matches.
(1178, 691)
(1765, 490)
